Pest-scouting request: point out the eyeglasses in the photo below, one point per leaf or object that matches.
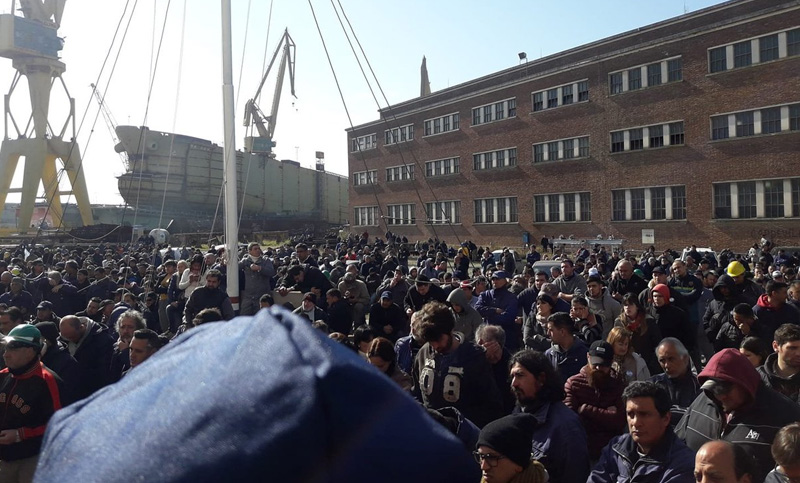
(490, 459)
(784, 478)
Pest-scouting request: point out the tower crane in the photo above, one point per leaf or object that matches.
(253, 116)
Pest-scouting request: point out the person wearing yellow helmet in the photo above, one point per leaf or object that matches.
(748, 290)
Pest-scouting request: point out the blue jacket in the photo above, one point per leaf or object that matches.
(570, 362)
(261, 398)
(493, 299)
(670, 461)
(559, 442)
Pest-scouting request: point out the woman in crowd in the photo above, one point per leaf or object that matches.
(629, 365)
(381, 354)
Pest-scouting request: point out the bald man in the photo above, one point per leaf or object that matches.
(722, 462)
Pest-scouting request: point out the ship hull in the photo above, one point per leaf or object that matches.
(180, 177)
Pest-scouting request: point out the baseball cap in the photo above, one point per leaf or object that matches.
(26, 335)
(777, 274)
(465, 284)
(659, 270)
(500, 274)
(45, 305)
(386, 295)
(601, 353)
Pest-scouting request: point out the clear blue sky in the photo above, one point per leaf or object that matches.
(461, 39)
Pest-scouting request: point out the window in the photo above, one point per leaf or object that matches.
(616, 83)
(427, 128)
(583, 147)
(747, 199)
(494, 159)
(552, 150)
(538, 153)
(437, 126)
(617, 141)
(745, 126)
(362, 178)
(637, 204)
(586, 206)
(770, 120)
(400, 173)
(583, 91)
(722, 201)
(552, 98)
(717, 60)
(400, 214)
(618, 205)
(454, 118)
(566, 95)
(793, 42)
(538, 209)
(796, 197)
(365, 216)
(499, 111)
(636, 139)
(442, 212)
(678, 202)
(794, 117)
(568, 146)
(676, 133)
(363, 143)
(773, 199)
(675, 70)
(768, 48)
(494, 112)
(634, 79)
(658, 203)
(742, 56)
(719, 127)
(401, 134)
(656, 134)
(538, 101)
(554, 207)
(503, 210)
(653, 75)
(441, 167)
(569, 208)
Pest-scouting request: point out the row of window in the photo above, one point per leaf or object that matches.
(561, 150)
(657, 136)
(643, 76)
(398, 135)
(494, 112)
(754, 51)
(769, 120)
(441, 124)
(494, 159)
(561, 96)
(776, 198)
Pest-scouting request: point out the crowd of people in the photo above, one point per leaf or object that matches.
(606, 366)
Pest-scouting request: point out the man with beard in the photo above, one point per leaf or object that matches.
(559, 440)
(596, 395)
(451, 372)
(650, 451)
(128, 323)
(781, 370)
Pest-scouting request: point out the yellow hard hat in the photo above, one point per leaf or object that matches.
(735, 269)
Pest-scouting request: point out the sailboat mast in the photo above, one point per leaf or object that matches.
(229, 172)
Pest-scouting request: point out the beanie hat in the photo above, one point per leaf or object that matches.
(663, 290)
(49, 331)
(510, 436)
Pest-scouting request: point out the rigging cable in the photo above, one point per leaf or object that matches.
(175, 113)
(394, 117)
(347, 111)
(86, 111)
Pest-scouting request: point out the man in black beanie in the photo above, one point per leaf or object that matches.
(504, 451)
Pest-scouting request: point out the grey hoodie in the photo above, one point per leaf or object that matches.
(468, 320)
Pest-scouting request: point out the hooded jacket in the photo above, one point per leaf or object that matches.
(770, 318)
(292, 422)
(669, 461)
(487, 305)
(606, 306)
(719, 310)
(788, 386)
(468, 319)
(753, 426)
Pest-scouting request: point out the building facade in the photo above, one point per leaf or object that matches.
(689, 127)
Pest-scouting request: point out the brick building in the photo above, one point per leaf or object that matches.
(689, 127)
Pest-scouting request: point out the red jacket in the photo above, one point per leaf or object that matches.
(603, 417)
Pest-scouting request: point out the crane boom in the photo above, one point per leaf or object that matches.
(253, 116)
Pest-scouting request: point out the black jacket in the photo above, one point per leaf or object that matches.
(682, 392)
(718, 311)
(58, 360)
(415, 301)
(788, 386)
(674, 322)
(94, 360)
(633, 285)
(380, 317)
(27, 401)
